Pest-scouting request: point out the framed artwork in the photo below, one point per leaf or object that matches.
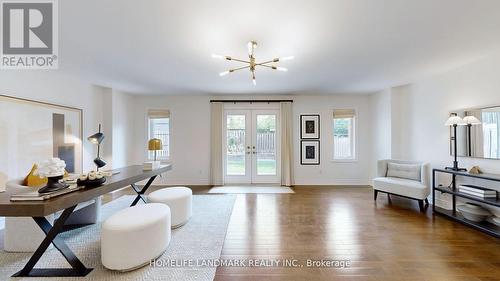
(33, 131)
(309, 152)
(309, 126)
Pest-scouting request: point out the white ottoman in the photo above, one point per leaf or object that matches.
(132, 237)
(179, 199)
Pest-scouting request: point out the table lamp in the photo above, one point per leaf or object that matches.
(155, 145)
(97, 138)
(455, 121)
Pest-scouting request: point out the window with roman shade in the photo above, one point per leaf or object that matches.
(344, 143)
(159, 127)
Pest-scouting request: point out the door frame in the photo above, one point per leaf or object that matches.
(248, 110)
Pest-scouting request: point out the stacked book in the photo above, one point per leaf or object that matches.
(147, 166)
(151, 165)
(477, 191)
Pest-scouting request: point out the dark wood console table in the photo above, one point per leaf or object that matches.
(128, 176)
(485, 227)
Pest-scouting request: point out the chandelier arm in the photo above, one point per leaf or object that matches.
(239, 68)
(238, 60)
(268, 66)
(267, 62)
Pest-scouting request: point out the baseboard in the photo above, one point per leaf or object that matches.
(333, 185)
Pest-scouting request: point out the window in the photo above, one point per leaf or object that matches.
(344, 143)
(159, 127)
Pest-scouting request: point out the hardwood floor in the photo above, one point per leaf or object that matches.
(382, 241)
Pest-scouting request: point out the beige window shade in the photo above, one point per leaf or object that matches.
(158, 113)
(344, 113)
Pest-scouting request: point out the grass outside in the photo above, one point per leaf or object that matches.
(264, 166)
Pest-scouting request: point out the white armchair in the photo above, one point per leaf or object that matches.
(409, 179)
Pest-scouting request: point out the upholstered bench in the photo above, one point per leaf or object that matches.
(132, 237)
(179, 199)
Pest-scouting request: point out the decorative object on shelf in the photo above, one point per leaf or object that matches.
(455, 121)
(252, 63)
(52, 169)
(309, 126)
(474, 212)
(309, 152)
(92, 179)
(475, 170)
(97, 139)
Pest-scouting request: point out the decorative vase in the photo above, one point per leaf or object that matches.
(53, 184)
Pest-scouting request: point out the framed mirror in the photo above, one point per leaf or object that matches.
(479, 136)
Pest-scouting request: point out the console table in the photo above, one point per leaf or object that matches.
(127, 176)
(484, 226)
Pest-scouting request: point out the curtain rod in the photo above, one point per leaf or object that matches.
(251, 101)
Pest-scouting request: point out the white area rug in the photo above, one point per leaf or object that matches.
(251, 189)
(201, 238)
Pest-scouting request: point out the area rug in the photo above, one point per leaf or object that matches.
(235, 189)
(201, 238)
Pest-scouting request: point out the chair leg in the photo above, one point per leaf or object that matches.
(421, 205)
(389, 198)
(375, 193)
(426, 201)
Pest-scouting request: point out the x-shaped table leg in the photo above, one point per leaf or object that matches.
(51, 232)
(141, 192)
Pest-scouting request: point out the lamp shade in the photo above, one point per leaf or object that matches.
(155, 144)
(96, 138)
(471, 120)
(454, 120)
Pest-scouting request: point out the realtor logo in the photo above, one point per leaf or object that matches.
(29, 34)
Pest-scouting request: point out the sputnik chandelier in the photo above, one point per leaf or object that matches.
(251, 63)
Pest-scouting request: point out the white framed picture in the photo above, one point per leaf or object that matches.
(309, 152)
(309, 126)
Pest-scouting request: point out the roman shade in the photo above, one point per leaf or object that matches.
(344, 113)
(158, 113)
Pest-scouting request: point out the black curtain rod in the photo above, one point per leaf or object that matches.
(251, 101)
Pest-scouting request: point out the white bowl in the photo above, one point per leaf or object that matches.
(474, 212)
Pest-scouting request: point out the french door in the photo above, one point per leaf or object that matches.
(252, 153)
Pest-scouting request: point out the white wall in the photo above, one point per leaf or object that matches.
(190, 137)
(432, 99)
(100, 105)
(381, 121)
(59, 89)
(123, 135)
(329, 172)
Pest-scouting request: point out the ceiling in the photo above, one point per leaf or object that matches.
(340, 46)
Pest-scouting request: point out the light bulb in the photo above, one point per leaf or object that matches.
(254, 82)
(216, 56)
(287, 58)
(279, 68)
(251, 46)
(224, 73)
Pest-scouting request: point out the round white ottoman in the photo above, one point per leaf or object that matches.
(179, 199)
(132, 237)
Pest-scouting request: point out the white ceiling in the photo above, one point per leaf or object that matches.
(340, 46)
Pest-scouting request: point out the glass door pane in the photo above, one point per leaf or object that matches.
(265, 145)
(235, 146)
